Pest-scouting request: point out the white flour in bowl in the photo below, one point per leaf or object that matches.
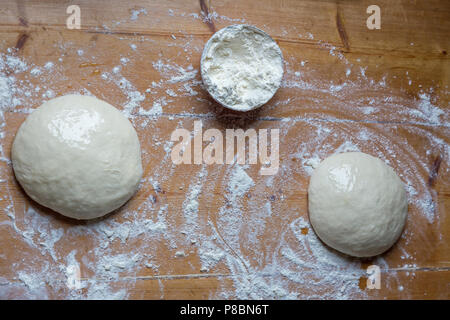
(242, 67)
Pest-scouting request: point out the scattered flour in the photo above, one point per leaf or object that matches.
(135, 13)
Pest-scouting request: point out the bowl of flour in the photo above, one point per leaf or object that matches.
(241, 67)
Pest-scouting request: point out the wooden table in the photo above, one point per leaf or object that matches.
(384, 92)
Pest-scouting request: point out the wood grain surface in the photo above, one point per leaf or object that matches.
(384, 91)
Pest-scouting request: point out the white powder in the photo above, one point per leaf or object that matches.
(11, 90)
(36, 72)
(171, 93)
(49, 65)
(242, 67)
(16, 64)
(155, 110)
(135, 13)
(239, 183)
(177, 73)
(134, 97)
(180, 254)
(428, 110)
(5, 92)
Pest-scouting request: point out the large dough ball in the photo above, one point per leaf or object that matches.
(357, 204)
(79, 156)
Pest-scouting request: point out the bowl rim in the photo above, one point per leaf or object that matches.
(204, 76)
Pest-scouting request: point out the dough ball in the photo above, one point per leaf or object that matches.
(79, 156)
(357, 204)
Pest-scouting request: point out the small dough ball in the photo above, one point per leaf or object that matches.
(79, 156)
(357, 204)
